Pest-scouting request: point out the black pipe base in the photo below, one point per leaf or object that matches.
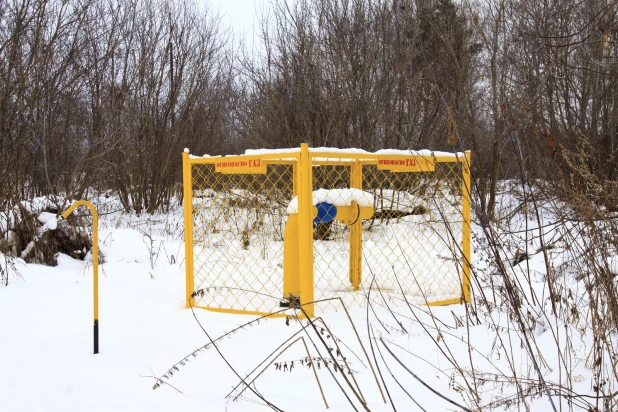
(96, 336)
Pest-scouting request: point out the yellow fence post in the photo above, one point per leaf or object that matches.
(356, 232)
(187, 183)
(95, 263)
(291, 286)
(305, 229)
(465, 196)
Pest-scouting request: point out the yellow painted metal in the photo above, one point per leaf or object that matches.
(270, 158)
(187, 183)
(356, 230)
(332, 162)
(305, 230)
(240, 167)
(242, 312)
(95, 259)
(466, 247)
(444, 302)
(230, 217)
(350, 215)
(291, 280)
(372, 158)
(321, 158)
(406, 164)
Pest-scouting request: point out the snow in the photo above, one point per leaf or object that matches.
(337, 197)
(12, 267)
(613, 264)
(349, 151)
(28, 249)
(125, 245)
(46, 348)
(423, 153)
(46, 338)
(49, 220)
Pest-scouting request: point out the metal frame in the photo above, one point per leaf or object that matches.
(303, 160)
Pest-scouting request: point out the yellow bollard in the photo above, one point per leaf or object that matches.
(95, 262)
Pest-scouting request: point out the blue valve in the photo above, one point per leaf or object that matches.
(326, 212)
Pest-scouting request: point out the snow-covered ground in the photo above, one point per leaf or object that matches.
(47, 364)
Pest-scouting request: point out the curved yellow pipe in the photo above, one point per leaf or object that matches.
(95, 262)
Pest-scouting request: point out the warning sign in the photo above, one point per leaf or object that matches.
(241, 167)
(405, 164)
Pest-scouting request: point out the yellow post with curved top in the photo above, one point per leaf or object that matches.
(95, 262)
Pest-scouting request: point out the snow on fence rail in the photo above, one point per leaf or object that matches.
(412, 241)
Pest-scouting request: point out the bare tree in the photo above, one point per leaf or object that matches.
(367, 74)
(104, 95)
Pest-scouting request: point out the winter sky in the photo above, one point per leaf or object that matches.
(242, 16)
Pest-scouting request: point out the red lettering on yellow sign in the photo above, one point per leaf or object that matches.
(248, 166)
(406, 164)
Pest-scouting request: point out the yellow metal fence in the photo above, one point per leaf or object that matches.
(402, 229)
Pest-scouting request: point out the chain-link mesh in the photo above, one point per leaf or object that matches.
(331, 242)
(411, 245)
(238, 225)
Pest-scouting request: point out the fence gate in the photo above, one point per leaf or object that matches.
(312, 224)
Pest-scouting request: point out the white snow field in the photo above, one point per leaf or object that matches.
(46, 342)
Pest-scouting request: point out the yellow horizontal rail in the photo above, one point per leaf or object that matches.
(241, 312)
(322, 158)
(285, 158)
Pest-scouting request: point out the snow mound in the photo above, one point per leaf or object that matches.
(337, 197)
(49, 220)
(68, 263)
